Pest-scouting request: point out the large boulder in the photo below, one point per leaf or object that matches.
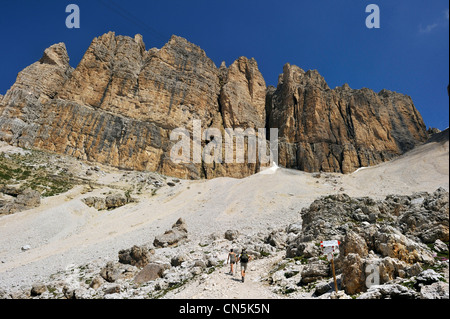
(315, 270)
(138, 256)
(25, 200)
(151, 271)
(389, 291)
(353, 274)
(173, 236)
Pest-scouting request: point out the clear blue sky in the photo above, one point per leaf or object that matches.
(408, 54)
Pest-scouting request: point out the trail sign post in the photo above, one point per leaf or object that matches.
(329, 248)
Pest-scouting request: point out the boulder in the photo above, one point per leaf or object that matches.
(276, 239)
(138, 256)
(38, 289)
(354, 244)
(353, 274)
(98, 203)
(389, 291)
(173, 236)
(25, 200)
(115, 200)
(231, 234)
(96, 282)
(428, 277)
(437, 290)
(111, 272)
(112, 289)
(178, 260)
(315, 270)
(151, 271)
(440, 246)
(322, 288)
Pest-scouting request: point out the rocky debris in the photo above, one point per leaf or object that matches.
(315, 269)
(38, 289)
(120, 104)
(173, 236)
(389, 291)
(11, 190)
(440, 247)
(168, 268)
(433, 130)
(405, 265)
(115, 200)
(427, 277)
(96, 202)
(322, 288)
(276, 239)
(438, 290)
(339, 295)
(25, 199)
(231, 234)
(138, 256)
(150, 272)
(379, 235)
(109, 202)
(111, 272)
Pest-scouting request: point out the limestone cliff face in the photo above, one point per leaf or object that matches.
(21, 107)
(342, 129)
(120, 104)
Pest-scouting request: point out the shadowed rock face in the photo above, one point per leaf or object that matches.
(119, 106)
(342, 129)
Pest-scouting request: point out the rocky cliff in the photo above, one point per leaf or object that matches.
(342, 129)
(120, 104)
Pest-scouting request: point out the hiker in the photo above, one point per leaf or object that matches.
(232, 259)
(244, 259)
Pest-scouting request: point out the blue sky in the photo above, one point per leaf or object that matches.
(409, 53)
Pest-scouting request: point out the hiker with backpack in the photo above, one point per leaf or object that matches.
(232, 258)
(244, 258)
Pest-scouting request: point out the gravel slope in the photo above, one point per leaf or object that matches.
(64, 231)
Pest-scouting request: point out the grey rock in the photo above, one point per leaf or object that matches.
(173, 236)
(98, 203)
(112, 289)
(427, 277)
(437, 290)
(322, 288)
(231, 234)
(115, 200)
(110, 272)
(151, 271)
(96, 282)
(389, 291)
(178, 260)
(440, 246)
(138, 256)
(38, 289)
(315, 270)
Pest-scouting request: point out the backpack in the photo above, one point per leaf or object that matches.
(244, 258)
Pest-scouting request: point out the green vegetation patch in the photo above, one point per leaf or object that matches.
(34, 170)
